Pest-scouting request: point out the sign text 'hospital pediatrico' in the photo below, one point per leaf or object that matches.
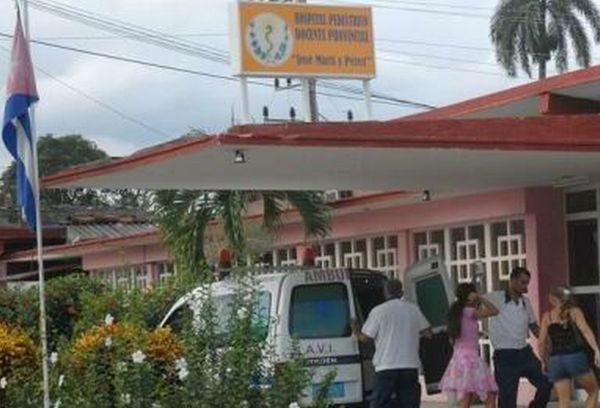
(302, 40)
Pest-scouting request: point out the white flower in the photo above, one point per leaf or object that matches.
(61, 380)
(109, 320)
(126, 398)
(181, 364)
(294, 405)
(108, 342)
(183, 373)
(138, 357)
(53, 357)
(3, 383)
(242, 313)
(182, 368)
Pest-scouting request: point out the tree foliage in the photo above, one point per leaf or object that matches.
(184, 216)
(532, 32)
(59, 153)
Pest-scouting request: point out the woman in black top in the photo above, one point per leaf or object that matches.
(563, 335)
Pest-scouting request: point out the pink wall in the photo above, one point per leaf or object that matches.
(125, 256)
(547, 252)
(416, 216)
(541, 208)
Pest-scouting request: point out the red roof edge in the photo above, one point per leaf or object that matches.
(169, 149)
(53, 249)
(532, 89)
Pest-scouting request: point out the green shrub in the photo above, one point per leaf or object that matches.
(119, 360)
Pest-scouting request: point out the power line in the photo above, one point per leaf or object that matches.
(97, 101)
(120, 37)
(434, 44)
(160, 39)
(434, 4)
(131, 31)
(471, 71)
(516, 17)
(441, 57)
(381, 99)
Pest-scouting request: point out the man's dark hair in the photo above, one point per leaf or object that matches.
(393, 287)
(518, 271)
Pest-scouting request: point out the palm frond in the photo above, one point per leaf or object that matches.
(230, 208)
(274, 203)
(559, 44)
(506, 34)
(534, 31)
(589, 10)
(182, 220)
(313, 210)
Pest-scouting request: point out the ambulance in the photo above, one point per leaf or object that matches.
(315, 307)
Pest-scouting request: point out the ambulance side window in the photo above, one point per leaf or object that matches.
(320, 311)
(179, 318)
(368, 292)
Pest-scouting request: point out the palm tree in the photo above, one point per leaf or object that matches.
(526, 32)
(183, 217)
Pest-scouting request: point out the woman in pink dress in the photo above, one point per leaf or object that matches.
(467, 375)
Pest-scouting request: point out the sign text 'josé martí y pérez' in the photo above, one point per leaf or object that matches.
(283, 39)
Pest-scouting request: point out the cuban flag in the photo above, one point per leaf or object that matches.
(17, 125)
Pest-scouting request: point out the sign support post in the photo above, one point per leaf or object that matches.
(245, 100)
(306, 100)
(367, 95)
(292, 39)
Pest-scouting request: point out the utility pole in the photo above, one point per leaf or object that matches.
(313, 108)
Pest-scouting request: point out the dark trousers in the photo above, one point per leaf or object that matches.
(510, 366)
(404, 383)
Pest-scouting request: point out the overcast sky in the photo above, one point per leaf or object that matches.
(75, 96)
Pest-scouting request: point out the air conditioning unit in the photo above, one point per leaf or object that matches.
(332, 196)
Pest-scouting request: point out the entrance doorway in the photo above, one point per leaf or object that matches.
(582, 235)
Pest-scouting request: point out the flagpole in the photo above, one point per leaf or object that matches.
(38, 234)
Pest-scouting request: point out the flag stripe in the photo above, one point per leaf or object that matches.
(17, 131)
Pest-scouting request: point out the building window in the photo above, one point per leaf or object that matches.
(581, 201)
(378, 253)
(583, 224)
(325, 256)
(125, 277)
(286, 257)
(140, 276)
(384, 254)
(497, 247)
(354, 253)
(164, 271)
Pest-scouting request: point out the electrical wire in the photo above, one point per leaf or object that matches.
(160, 39)
(98, 102)
(378, 99)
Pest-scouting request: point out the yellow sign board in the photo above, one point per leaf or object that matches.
(283, 40)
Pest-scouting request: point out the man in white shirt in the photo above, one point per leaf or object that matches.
(395, 326)
(509, 331)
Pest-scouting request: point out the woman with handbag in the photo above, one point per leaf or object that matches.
(563, 335)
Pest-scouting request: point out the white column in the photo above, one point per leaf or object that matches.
(306, 99)
(245, 101)
(367, 95)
